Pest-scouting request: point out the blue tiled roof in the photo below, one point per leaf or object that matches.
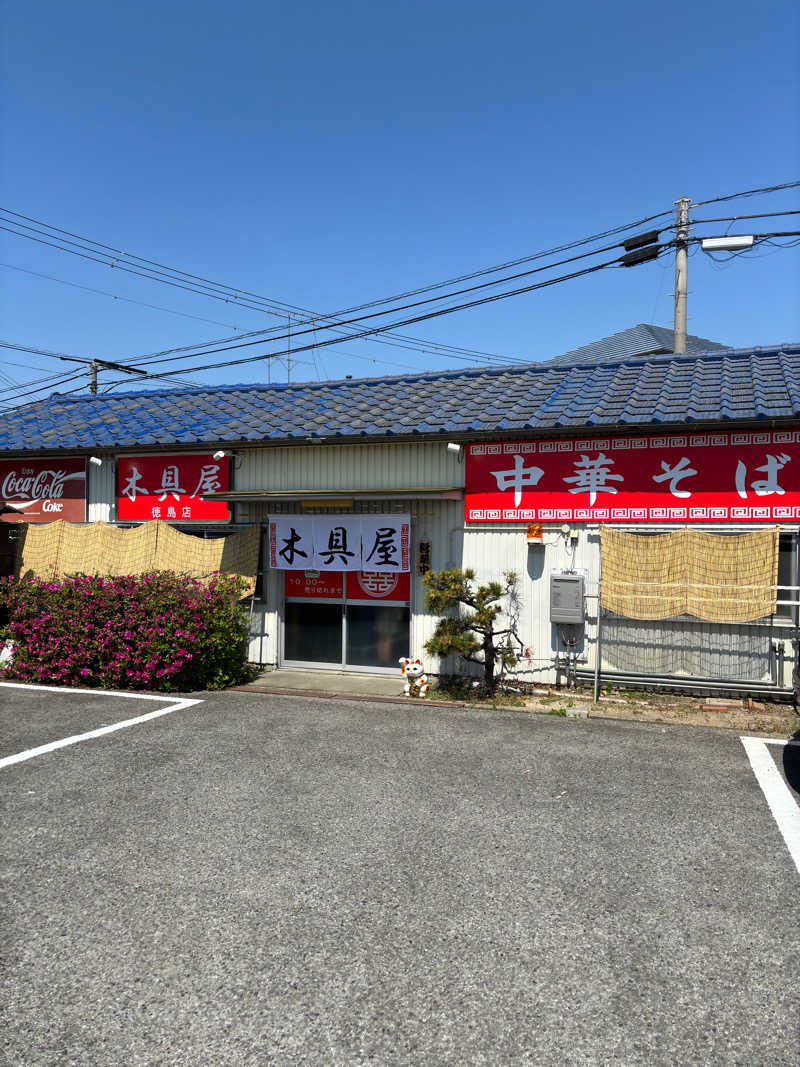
(658, 390)
(642, 340)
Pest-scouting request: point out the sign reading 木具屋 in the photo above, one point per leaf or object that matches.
(752, 476)
(42, 490)
(378, 543)
(171, 488)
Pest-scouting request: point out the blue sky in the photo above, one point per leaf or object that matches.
(326, 155)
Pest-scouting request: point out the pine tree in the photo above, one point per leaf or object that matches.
(473, 634)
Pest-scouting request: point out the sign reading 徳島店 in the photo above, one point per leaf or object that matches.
(379, 544)
(751, 476)
(171, 488)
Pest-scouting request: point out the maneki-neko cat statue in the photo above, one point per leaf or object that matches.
(415, 677)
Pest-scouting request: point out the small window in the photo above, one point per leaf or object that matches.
(787, 576)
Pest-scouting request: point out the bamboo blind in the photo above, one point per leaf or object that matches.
(690, 572)
(57, 549)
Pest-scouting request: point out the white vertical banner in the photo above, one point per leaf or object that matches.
(386, 543)
(337, 542)
(291, 542)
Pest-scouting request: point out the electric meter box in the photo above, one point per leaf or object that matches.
(566, 598)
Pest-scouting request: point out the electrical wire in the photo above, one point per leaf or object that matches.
(293, 308)
(746, 192)
(737, 218)
(60, 380)
(156, 271)
(85, 361)
(35, 381)
(218, 291)
(129, 270)
(756, 236)
(220, 287)
(116, 296)
(201, 351)
(432, 347)
(617, 262)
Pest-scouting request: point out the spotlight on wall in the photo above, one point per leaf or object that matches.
(220, 454)
(453, 446)
(96, 461)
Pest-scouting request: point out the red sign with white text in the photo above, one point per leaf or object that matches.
(361, 585)
(171, 487)
(41, 490)
(314, 585)
(752, 476)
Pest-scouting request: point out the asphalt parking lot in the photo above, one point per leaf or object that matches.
(260, 879)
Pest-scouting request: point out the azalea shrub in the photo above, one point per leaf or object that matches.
(161, 631)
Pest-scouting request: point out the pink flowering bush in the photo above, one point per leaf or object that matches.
(159, 631)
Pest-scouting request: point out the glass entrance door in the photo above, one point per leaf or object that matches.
(312, 632)
(377, 634)
(328, 622)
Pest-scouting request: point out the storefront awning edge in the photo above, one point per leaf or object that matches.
(279, 495)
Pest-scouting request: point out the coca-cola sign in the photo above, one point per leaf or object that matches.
(42, 490)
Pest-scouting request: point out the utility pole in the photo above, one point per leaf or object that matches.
(681, 266)
(289, 350)
(93, 380)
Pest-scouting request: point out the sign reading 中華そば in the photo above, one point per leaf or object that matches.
(751, 476)
(171, 488)
(379, 543)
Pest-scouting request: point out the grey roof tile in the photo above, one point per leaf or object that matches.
(744, 384)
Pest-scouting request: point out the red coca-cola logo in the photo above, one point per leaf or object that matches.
(38, 485)
(39, 490)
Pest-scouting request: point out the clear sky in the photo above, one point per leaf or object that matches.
(326, 155)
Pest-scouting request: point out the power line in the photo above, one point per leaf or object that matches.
(618, 262)
(116, 296)
(122, 266)
(746, 192)
(432, 347)
(177, 279)
(62, 379)
(757, 237)
(294, 308)
(738, 218)
(149, 361)
(87, 361)
(155, 271)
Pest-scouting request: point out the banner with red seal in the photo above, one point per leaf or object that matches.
(361, 585)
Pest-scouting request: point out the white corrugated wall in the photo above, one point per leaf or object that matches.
(492, 550)
(427, 465)
(101, 491)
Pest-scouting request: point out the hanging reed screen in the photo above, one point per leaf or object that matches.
(59, 548)
(688, 572)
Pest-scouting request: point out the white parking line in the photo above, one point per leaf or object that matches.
(178, 705)
(778, 795)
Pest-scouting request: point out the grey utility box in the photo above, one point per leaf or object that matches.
(566, 598)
